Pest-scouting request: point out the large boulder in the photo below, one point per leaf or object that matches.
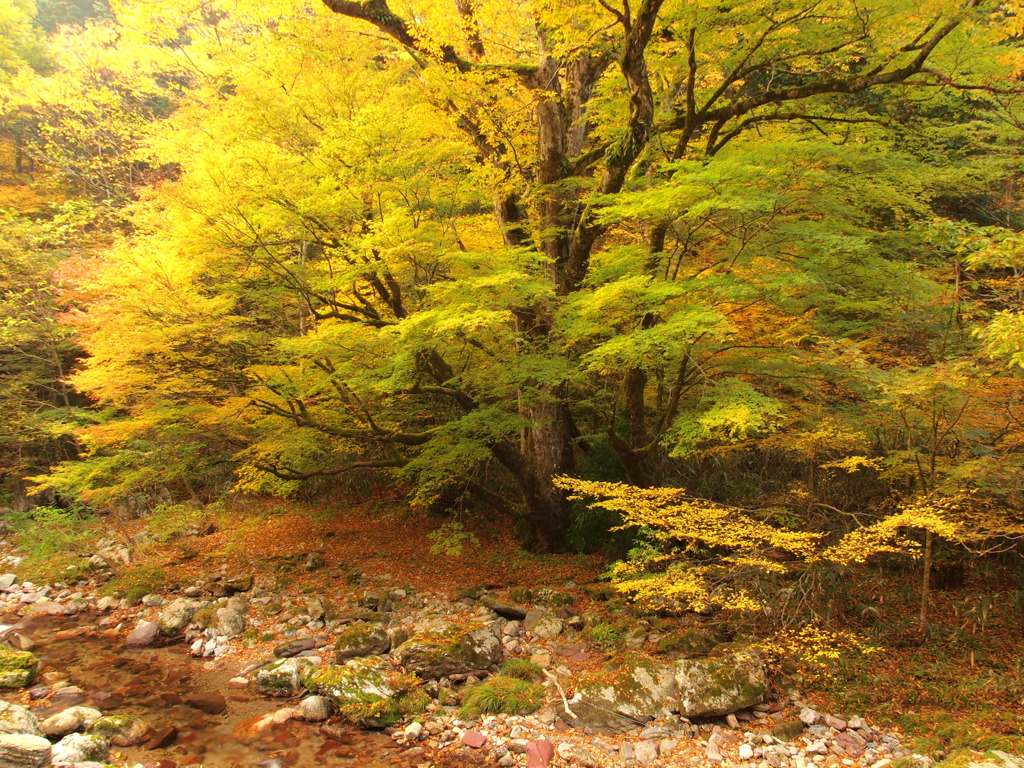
(17, 719)
(367, 690)
(176, 616)
(17, 668)
(22, 750)
(626, 693)
(720, 685)
(81, 748)
(281, 678)
(455, 650)
(361, 639)
(230, 621)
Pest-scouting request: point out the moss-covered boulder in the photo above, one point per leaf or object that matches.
(282, 677)
(690, 641)
(177, 615)
(455, 650)
(121, 730)
(367, 690)
(17, 668)
(628, 692)
(361, 639)
(720, 685)
(17, 719)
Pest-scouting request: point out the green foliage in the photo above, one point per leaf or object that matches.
(771, 259)
(605, 635)
(50, 539)
(449, 538)
(501, 695)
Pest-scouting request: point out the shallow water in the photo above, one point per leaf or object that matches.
(155, 683)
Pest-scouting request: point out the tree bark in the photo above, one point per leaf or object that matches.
(548, 452)
(929, 544)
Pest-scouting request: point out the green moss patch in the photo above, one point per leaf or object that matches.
(501, 695)
(17, 668)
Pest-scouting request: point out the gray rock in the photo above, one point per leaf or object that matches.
(81, 748)
(548, 627)
(107, 603)
(20, 750)
(121, 730)
(177, 615)
(294, 648)
(114, 553)
(143, 635)
(282, 678)
(398, 636)
(7, 581)
(788, 730)
(356, 685)
(808, 716)
(719, 685)
(507, 610)
(645, 752)
(17, 719)
(315, 708)
(433, 655)
(361, 639)
(315, 607)
(70, 720)
(626, 693)
(230, 623)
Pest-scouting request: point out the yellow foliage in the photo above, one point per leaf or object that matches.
(728, 540)
(813, 647)
(700, 552)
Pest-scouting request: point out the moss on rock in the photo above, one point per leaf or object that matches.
(367, 690)
(720, 685)
(690, 641)
(361, 639)
(17, 668)
(626, 693)
(457, 649)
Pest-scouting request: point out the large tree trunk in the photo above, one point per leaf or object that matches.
(547, 452)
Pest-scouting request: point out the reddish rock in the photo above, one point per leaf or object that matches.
(162, 738)
(212, 702)
(539, 754)
(143, 635)
(473, 739)
(853, 748)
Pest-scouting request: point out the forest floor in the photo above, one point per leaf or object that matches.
(953, 695)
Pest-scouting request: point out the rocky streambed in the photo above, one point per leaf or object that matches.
(231, 672)
(95, 700)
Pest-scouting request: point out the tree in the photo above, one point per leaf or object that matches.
(696, 215)
(620, 91)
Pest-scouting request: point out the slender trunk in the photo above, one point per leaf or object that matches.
(638, 462)
(926, 580)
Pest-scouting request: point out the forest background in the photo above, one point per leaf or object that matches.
(548, 262)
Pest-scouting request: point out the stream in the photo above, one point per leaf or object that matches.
(157, 684)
